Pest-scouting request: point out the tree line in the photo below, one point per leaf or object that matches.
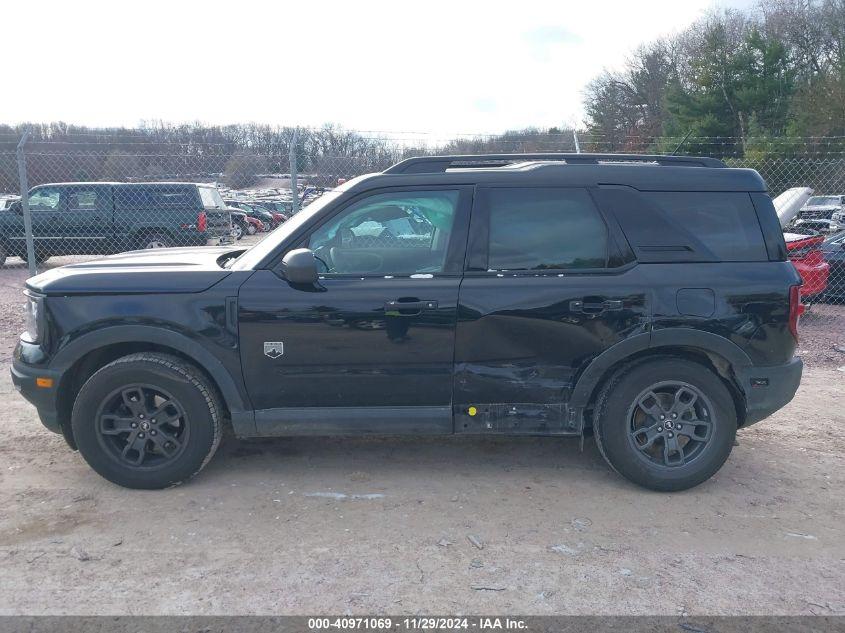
(733, 82)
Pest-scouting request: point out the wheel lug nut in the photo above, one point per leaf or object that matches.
(153, 432)
(141, 415)
(660, 429)
(671, 434)
(662, 417)
(140, 435)
(153, 421)
(134, 425)
(674, 415)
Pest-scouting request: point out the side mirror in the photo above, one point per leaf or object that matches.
(300, 266)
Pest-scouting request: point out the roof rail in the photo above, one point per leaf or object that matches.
(435, 164)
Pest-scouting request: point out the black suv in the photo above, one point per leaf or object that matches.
(99, 218)
(646, 300)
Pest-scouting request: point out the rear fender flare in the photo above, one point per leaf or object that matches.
(668, 338)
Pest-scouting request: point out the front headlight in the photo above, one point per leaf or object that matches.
(32, 310)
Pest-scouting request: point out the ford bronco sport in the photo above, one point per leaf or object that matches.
(645, 300)
(99, 218)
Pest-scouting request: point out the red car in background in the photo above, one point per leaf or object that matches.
(805, 252)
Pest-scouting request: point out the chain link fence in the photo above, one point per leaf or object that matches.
(92, 196)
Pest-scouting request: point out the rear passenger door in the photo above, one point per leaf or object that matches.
(88, 215)
(549, 285)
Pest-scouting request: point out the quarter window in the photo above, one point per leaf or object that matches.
(386, 234)
(544, 228)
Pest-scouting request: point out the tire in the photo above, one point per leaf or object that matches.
(250, 229)
(139, 456)
(237, 231)
(154, 240)
(641, 447)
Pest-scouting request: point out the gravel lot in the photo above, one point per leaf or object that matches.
(389, 525)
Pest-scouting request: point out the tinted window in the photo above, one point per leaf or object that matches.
(549, 228)
(391, 233)
(724, 223)
(156, 197)
(79, 199)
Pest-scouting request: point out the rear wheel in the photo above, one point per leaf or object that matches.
(666, 424)
(147, 421)
(250, 229)
(154, 240)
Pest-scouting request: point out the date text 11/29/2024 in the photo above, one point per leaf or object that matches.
(417, 623)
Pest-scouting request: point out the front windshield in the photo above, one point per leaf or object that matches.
(251, 258)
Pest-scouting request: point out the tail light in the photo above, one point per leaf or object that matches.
(202, 222)
(796, 309)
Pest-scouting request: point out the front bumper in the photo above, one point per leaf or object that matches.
(24, 378)
(768, 389)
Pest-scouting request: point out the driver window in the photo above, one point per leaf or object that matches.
(394, 233)
(45, 199)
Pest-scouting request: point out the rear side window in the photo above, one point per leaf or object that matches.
(725, 223)
(170, 197)
(544, 228)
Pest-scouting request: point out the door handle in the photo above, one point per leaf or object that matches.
(595, 307)
(409, 308)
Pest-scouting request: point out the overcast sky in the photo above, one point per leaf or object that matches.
(440, 67)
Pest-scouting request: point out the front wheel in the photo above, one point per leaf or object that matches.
(666, 424)
(147, 421)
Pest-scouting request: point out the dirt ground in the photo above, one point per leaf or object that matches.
(410, 525)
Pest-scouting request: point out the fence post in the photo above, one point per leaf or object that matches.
(293, 186)
(27, 217)
(577, 144)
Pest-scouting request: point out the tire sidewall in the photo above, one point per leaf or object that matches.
(612, 427)
(197, 409)
(148, 239)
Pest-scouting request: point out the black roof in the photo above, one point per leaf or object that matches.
(643, 172)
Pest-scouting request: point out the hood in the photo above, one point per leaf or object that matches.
(154, 271)
(789, 203)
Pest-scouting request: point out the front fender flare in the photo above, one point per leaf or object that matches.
(243, 418)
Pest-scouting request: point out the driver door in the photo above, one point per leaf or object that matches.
(369, 348)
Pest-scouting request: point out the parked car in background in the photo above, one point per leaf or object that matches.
(239, 223)
(254, 225)
(255, 211)
(102, 218)
(7, 201)
(822, 213)
(805, 252)
(822, 207)
(278, 207)
(833, 249)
